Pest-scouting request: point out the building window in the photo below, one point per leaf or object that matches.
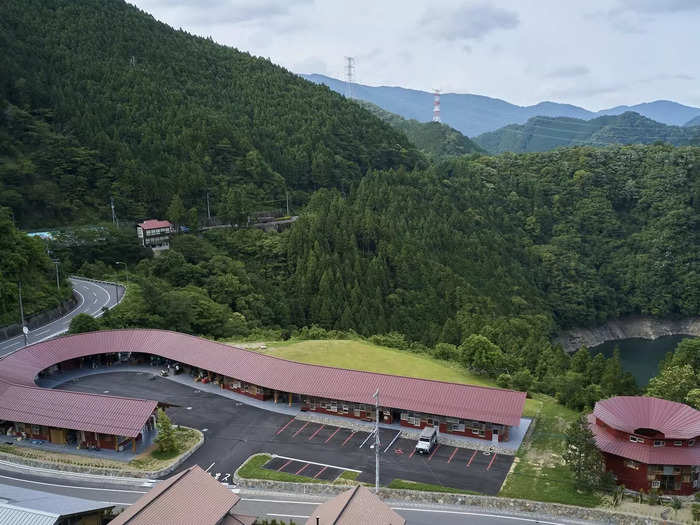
(677, 443)
(659, 443)
(631, 464)
(691, 442)
(635, 439)
(36, 429)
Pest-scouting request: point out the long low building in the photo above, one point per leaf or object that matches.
(480, 412)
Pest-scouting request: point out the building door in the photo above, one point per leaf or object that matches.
(494, 436)
(58, 436)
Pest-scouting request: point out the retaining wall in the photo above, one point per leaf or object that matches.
(40, 319)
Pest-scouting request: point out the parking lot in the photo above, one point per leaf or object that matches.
(234, 431)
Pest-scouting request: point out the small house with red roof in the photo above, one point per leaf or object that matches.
(155, 234)
(649, 443)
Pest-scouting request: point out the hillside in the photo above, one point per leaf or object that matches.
(149, 112)
(475, 114)
(434, 138)
(545, 133)
(693, 122)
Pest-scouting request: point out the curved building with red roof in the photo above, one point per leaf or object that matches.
(486, 413)
(649, 443)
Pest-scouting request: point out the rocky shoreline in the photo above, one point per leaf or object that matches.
(626, 328)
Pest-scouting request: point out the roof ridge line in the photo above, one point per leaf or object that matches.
(182, 475)
(354, 492)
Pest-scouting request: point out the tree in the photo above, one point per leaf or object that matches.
(82, 323)
(176, 212)
(673, 383)
(166, 433)
(582, 456)
(481, 354)
(522, 380)
(693, 398)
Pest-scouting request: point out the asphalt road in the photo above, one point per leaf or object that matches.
(92, 298)
(284, 508)
(234, 431)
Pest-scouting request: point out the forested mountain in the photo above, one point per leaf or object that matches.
(23, 258)
(476, 114)
(545, 133)
(693, 122)
(434, 138)
(99, 99)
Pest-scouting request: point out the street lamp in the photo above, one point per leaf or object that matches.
(376, 442)
(25, 330)
(126, 269)
(58, 284)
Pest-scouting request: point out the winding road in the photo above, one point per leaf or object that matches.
(93, 296)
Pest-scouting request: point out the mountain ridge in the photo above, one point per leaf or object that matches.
(546, 133)
(476, 114)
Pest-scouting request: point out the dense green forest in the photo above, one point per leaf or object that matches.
(480, 258)
(24, 258)
(546, 133)
(118, 104)
(693, 122)
(433, 138)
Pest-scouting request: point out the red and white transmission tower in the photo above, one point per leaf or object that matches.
(436, 106)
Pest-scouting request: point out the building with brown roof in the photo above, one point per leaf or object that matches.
(357, 506)
(189, 497)
(155, 233)
(466, 410)
(649, 443)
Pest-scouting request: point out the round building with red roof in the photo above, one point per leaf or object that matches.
(649, 443)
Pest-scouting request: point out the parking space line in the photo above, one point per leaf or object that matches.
(284, 427)
(283, 466)
(349, 437)
(491, 462)
(320, 472)
(412, 452)
(302, 469)
(392, 441)
(367, 439)
(302, 428)
(210, 466)
(316, 463)
(317, 431)
(452, 455)
(434, 451)
(333, 434)
(471, 459)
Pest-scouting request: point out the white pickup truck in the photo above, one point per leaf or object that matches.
(427, 441)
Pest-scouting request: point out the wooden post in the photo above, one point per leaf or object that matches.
(133, 445)
(290, 399)
(116, 444)
(276, 395)
(97, 440)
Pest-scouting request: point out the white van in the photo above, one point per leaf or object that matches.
(427, 441)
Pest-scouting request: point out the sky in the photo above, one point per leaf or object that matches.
(596, 54)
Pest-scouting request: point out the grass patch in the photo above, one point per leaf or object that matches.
(361, 355)
(148, 461)
(349, 475)
(253, 469)
(539, 472)
(427, 487)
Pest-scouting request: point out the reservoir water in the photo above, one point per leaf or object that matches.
(641, 357)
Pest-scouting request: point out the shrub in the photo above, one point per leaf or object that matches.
(504, 381)
(392, 340)
(445, 351)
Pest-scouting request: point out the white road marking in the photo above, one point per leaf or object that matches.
(480, 514)
(71, 486)
(393, 440)
(367, 439)
(286, 515)
(314, 463)
(210, 466)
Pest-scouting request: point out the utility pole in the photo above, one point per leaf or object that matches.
(286, 194)
(376, 442)
(58, 283)
(21, 312)
(115, 221)
(208, 211)
(349, 69)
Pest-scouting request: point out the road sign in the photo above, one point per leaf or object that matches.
(25, 330)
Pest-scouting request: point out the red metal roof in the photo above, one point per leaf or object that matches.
(150, 224)
(628, 413)
(643, 453)
(419, 395)
(74, 410)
